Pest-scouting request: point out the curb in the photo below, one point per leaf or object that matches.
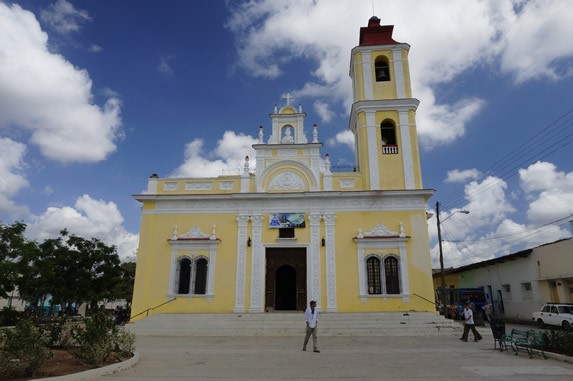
(556, 356)
(93, 373)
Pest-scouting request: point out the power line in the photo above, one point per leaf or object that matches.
(528, 232)
(554, 137)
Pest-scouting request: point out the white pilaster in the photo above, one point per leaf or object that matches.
(367, 75)
(404, 273)
(313, 260)
(371, 131)
(258, 266)
(172, 271)
(331, 305)
(399, 73)
(242, 225)
(361, 274)
(211, 273)
(407, 158)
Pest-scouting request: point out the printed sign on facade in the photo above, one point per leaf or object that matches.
(286, 220)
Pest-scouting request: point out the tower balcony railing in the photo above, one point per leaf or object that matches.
(390, 149)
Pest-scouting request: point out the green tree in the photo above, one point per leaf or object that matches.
(71, 269)
(14, 247)
(125, 287)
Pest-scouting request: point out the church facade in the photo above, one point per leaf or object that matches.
(291, 230)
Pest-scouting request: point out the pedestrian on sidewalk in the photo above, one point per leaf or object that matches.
(311, 319)
(469, 324)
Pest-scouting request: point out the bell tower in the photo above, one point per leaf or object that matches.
(383, 115)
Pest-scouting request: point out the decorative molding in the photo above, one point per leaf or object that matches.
(194, 233)
(381, 231)
(348, 201)
(170, 186)
(347, 183)
(226, 185)
(199, 186)
(287, 180)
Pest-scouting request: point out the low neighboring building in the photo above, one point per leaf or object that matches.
(520, 283)
(13, 301)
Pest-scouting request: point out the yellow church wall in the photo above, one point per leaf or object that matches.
(154, 263)
(394, 178)
(391, 170)
(338, 177)
(418, 257)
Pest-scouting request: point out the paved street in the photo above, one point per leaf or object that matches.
(342, 358)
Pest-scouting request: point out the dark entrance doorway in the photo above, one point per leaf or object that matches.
(285, 279)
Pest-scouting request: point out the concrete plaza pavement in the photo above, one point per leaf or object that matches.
(442, 357)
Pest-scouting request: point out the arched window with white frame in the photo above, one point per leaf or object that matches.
(392, 275)
(200, 276)
(183, 275)
(373, 275)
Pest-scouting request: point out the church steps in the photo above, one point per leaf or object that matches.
(292, 324)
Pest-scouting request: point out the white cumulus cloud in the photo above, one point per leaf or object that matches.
(228, 156)
(461, 176)
(87, 218)
(12, 177)
(41, 92)
(525, 36)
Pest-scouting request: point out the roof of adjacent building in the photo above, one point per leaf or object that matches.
(509, 257)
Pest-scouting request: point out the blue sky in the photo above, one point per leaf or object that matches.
(97, 95)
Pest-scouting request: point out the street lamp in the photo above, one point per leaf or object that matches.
(442, 273)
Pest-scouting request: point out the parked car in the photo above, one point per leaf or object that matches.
(560, 314)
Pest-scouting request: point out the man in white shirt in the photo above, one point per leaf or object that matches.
(469, 324)
(311, 319)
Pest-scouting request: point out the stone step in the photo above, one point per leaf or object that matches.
(292, 324)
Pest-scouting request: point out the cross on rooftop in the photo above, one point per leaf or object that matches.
(288, 98)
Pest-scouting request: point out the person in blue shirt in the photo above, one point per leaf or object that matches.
(311, 319)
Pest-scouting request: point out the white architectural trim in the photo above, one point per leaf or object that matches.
(404, 282)
(407, 158)
(348, 201)
(194, 245)
(331, 304)
(399, 73)
(312, 175)
(242, 226)
(257, 266)
(367, 74)
(313, 260)
(371, 132)
(382, 244)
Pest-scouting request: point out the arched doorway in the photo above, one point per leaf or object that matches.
(285, 296)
